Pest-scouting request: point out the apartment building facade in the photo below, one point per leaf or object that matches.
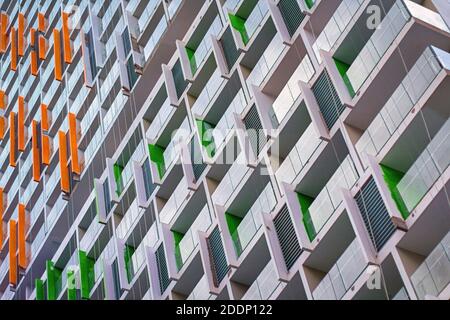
(224, 149)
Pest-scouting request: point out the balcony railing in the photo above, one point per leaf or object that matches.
(291, 91)
(300, 155)
(342, 275)
(160, 120)
(252, 221)
(139, 256)
(4, 267)
(336, 26)
(113, 110)
(266, 61)
(265, 285)
(201, 290)
(91, 234)
(93, 146)
(189, 242)
(37, 209)
(128, 219)
(427, 169)
(127, 173)
(433, 275)
(329, 199)
(38, 240)
(172, 205)
(230, 181)
(380, 41)
(173, 7)
(208, 93)
(55, 212)
(255, 18)
(205, 45)
(155, 37)
(405, 97)
(147, 14)
(226, 123)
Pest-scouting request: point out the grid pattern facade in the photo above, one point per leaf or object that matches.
(224, 149)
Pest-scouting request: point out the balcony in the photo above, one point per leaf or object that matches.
(426, 170)
(226, 123)
(185, 246)
(350, 265)
(94, 144)
(336, 26)
(208, 93)
(402, 101)
(319, 211)
(155, 37)
(202, 50)
(356, 70)
(178, 198)
(265, 63)
(252, 221)
(160, 120)
(230, 181)
(147, 14)
(113, 111)
(4, 267)
(291, 91)
(300, 155)
(265, 285)
(173, 7)
(90, 235)
(123, 175)
(128, 220)
(433, 275)
(139, 256)
(201, 291)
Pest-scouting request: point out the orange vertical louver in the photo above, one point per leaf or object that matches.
(22, 229)
(57, 54)
(73, 135)
(2, 127)
(45, 124)
(3, 32)
(46, 149)
(65, 182)
(13, 49)
(35, 149)
(34, 63)
(21, 124)
(42, 47)
(12, 252)
(42, 23)
(66, 38)
(3, 99)
(12, 139)
(21, 35)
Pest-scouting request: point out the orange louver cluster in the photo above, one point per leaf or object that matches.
(65, 181)
(21, 35)
(12, 252)
(22, 229)
(3, 32)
